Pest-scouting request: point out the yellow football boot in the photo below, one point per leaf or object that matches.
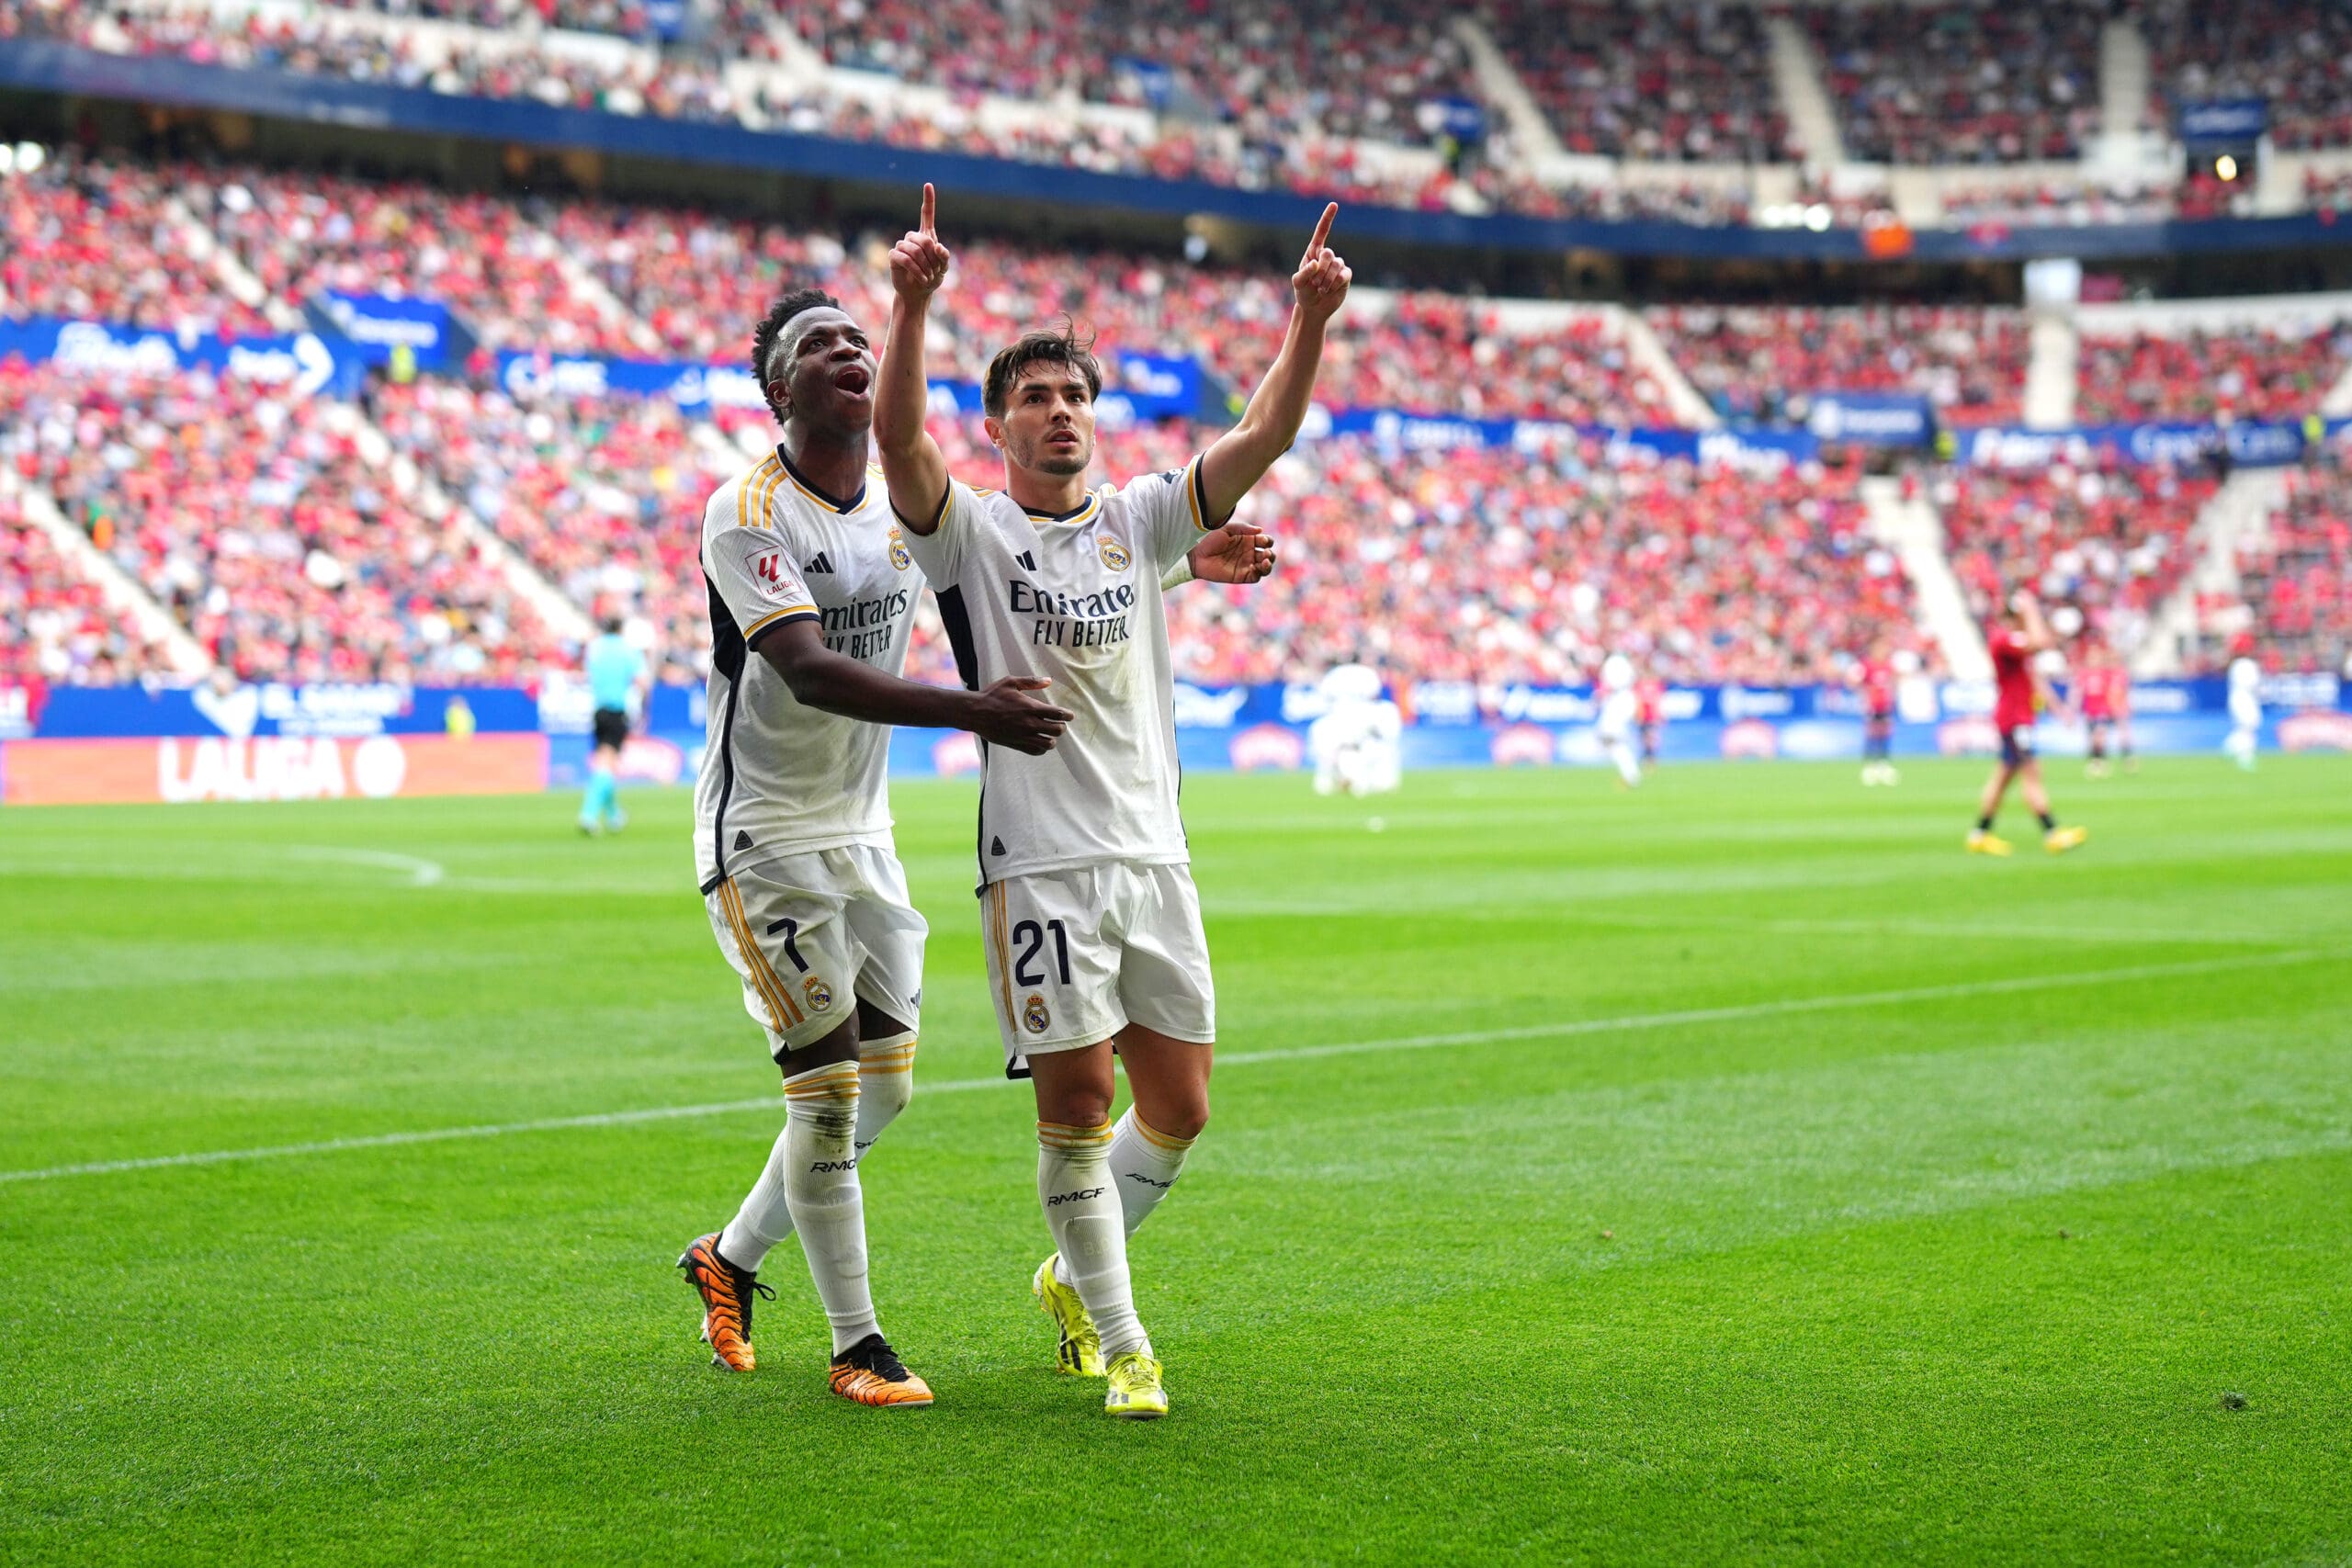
(2058, 840)
(1134, 1393)
(1981, 842)
(1080, 1350)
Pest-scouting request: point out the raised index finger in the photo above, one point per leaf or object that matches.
(1322, 230)
(930, 207)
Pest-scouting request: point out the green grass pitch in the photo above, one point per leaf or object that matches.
(1731, 1171)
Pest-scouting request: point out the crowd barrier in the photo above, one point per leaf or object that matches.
(80, 745)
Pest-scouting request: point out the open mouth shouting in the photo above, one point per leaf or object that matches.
(853, 381)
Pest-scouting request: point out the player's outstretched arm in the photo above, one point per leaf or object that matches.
(1002, 714)
(1240, 457)
(913, 465)
(2039, 638)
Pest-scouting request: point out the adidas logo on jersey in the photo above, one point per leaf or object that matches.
(743, 840)
(996, 846)
(1028, 561)
(818, 563)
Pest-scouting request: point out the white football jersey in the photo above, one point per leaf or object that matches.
(779, 777)
(1075, 598)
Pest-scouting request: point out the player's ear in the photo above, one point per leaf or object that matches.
(995, 427)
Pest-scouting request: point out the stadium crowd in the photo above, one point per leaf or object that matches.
(266, 529)
(601, 495)
(1672, 83)
(2110, 539)
(2295, 578)
(97, 240)
(1761, 365)
(2295, 54)
(55, 627)
(1974, 83)
(2246, 374)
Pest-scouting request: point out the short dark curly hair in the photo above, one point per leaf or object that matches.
(772, 325)
(1046, 346)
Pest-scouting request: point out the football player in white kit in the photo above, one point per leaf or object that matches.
(2245, 711)
(813, 593)
(1357, 744)
(1619, 706)
(1091, 925)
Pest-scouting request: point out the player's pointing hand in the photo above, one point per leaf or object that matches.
(1322, 279)
(918, 262)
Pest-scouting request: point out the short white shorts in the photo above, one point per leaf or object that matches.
(811, 934)
(1075, 955)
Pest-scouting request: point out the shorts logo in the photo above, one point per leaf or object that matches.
(899, 557)
(1033, 1014)
(1115, 554)
(819, 996)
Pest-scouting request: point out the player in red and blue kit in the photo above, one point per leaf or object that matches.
(1650, 713)
(2020, 634)
(2104, 692)
(1875, 679)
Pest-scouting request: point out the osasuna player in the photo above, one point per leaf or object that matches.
(1619, 710)
(1649, 714)
(2245, 709)
(2103, 692)
(812, 591)
(1875, 678)
(2020, 694)
(1092, 928)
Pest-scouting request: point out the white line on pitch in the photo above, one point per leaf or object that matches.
(1239, 1058)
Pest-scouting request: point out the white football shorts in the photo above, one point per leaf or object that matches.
(1075, 955)
(810, 934)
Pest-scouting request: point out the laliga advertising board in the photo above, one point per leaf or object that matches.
(270, 743)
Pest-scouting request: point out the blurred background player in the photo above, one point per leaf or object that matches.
(1619, 709)
(1649, 712)
(2015, 641)
(618, 678)
(1874, 677)
(2245, 708)
(2102, 691)
(1358, 743)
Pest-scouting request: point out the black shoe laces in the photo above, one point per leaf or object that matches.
(874, 1354)
(747, 1285)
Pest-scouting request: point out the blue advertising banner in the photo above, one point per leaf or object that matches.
(377, 323)
(305, 364)
(2248, 444)
(1144, 386)
(1246, 728)
(240, 711)
(1871, 419)
(2223, 121)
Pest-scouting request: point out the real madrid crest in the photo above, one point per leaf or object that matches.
(820, 998)
(1115, 554)
(1033, 1014)
(899, 557)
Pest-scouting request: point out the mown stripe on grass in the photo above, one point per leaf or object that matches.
(1557, 1030)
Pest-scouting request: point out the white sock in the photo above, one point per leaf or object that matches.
(1629, 763)
(1084, 1212)
(1145, 1163)
(886, 1081)
(820, 1186)
(885, 1078)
